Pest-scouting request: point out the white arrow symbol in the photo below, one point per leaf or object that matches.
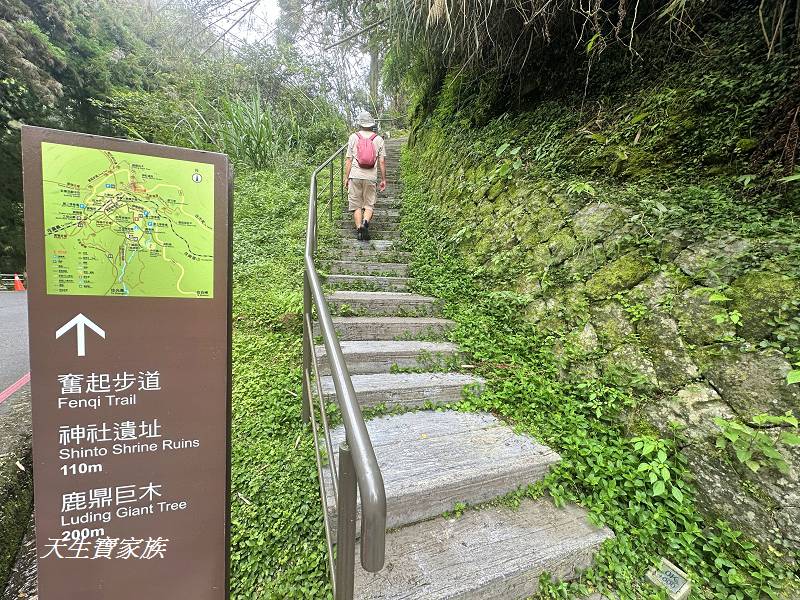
(80, 323)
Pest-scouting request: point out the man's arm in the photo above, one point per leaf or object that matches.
(348, 164)
(383, 173)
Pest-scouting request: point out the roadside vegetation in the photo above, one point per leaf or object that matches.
(670, 123)
(278, 541)
(630, 478)
(534, 219)
(116, 69)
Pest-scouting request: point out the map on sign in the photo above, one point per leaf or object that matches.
(119, 224)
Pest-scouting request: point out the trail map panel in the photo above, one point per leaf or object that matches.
(129, 313)
(120, 224)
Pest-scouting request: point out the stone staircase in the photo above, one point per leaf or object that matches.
(433, 460)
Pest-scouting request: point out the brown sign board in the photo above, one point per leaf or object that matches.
(129, 270)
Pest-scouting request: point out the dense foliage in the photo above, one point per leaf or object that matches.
(278, 542)
(55, 58)
(630, 479)
(686, 147)
(115, 67)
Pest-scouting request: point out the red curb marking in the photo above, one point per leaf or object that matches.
(6, 393)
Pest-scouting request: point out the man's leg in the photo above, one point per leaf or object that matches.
(370, 195)
(354, 202)
(356, 217)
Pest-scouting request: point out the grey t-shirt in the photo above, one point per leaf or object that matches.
(356, 171)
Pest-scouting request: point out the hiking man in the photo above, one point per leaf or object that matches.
(365, 150)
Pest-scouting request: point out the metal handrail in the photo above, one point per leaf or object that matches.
(358, 472)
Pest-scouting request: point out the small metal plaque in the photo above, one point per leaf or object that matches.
(671, 578)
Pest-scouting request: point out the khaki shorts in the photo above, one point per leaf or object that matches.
(361, 194)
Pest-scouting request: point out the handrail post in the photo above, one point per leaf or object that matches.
(342, 187)
(307, 347)
(346, 526)
(330, 206)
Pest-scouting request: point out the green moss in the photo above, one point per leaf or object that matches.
(15, 509)
(497, 189)
(540, 258)
(562, 245)
(611, 324)
(758, 296)
(621, 274)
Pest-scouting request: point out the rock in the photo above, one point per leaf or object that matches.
(546, 313)
(611, 324)
(540, 225)
(713, 262)
(672, 244)
(695, 316)
(540, 258)
(721, 493)
(586, 260)
(581, 371)
(659, 289)
(584, 339)
(758, 296)
(529, 285)
(567, 203)
(576, 306)
(783, 490)
(630, 362)
(622, 239)
(587, 338)
(562, 245)
(752, 383)
(621, 274)
(694, 408)
(786, 520)
(597, 220)
(673, 365)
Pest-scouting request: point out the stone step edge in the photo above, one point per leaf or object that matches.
(492, 461)
(489, 554)
(369, 357)
(406, 390)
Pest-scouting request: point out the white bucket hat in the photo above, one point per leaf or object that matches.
(365, 120)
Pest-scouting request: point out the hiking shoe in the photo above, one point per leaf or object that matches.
(365, 234)
(360, 233)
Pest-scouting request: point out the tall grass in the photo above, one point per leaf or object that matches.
(248, 130)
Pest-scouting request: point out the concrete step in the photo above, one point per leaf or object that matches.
(432, 460)
(380, 214)
(375, 226)
(383, 303)
(381, 231)
(351, 243)
(497, 553)
(385, 234)
(375, 255)
(360, 267)
(367, 357)
(368, 282)
(389, 328)
(405, 390)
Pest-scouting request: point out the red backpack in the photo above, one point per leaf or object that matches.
(365, 151)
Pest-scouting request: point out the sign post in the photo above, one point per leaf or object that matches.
(129, 265)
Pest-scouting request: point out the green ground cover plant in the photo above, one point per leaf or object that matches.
(629, 478)
(278, 547)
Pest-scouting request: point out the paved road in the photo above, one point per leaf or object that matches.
(15, 428)
(13, 337)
